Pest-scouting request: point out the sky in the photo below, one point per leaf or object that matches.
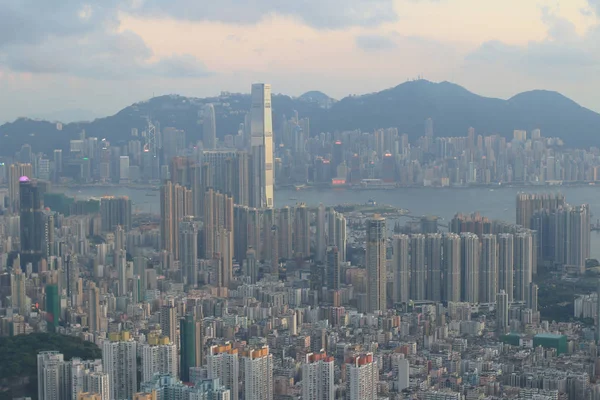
(77, 59)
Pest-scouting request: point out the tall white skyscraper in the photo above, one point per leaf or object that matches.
(470, 250)
(119, 359)
(257, 369)
(523, 265)
(402, 370)
(502, 312)
(52, 376)
(376, 264)
(209, 131)
(222, 362)
(506, 261)
(188, 251)
(159, 356)
(433, 259)
(321, 238)
(261, 143)
(362, 375)
(318, 377)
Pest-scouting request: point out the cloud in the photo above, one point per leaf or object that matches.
(375, 42)
(80, 39)
(562, 51)
(320, 14)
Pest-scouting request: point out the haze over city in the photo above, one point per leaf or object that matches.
(78, 60)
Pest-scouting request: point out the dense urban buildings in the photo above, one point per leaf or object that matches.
(222, 292)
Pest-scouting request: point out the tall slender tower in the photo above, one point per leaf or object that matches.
(488, 281)
(470, 267)
(523, 265)
(188, 251)
(318, 377)
(451, 261)
(417, 267)
(433, 259)
(261, 142)
(209, 132)
(376, 264)
(302, 231)
(502, 312)
(401, 267)
(321, 244)
(506, 262)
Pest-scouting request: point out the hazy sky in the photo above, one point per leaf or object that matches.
(102, 55)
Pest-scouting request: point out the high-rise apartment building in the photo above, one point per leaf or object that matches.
(115, 211)
(223, 363)
(209, 124)
(336, 231)
(451, 267)
(333, 268)
(256, 367)
(188, 251)
(302, 231)
(285, 228)
(418, 268)
(376, 264)
(175, 203)
(168, 322)
(433, 260)
(261, 142)
(119, 361)
(321, 238)
(18, 296)
(159, 356)
(53, 376)
(470, 251)
(94, 313)
(318, 377)
(488, 269)
(401, 268)
(523, 264)
(362, 375)
(506, 260)
(502, 325)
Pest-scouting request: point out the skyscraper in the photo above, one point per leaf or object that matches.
(418, 271)
(209, 131)
(168, 322)
(223, 363)
(94, 319)
(257, 372)
(488, 282)
(251, 265)
(53, 377)
(52, 307)
(318, 377)
(32, 222)
(175, 203)
(362, 375)
(376, 264)
(159, 356)
(115, 211)
(192, 343)
(401, 268)
(451, 267)
(15, 173)
(320, 240)
(333, 268)
(18, 297)
(261, 127)
(470, 267)
(284, 228)
(119, 361)
(502, 312)
(523, 252)
(433, 259)
(188, 251)
(302, 231)
(506, 261)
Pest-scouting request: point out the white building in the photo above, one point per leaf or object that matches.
(257, 370)
(318, 377)
(362, 376)
(223, 363)
(159, 356)
(261, 141)
(120, 363)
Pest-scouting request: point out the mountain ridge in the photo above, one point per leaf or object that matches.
(405, 106)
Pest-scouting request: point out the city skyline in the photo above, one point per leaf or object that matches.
(542, 46)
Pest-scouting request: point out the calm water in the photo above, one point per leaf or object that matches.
(444, 202)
